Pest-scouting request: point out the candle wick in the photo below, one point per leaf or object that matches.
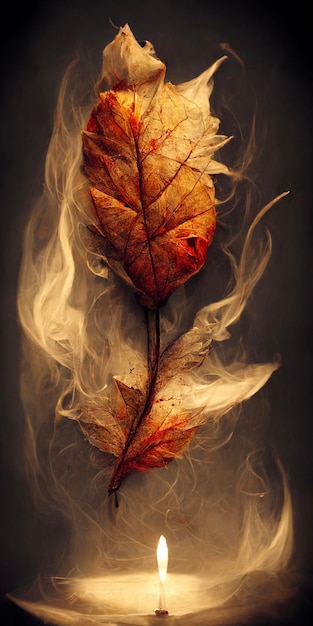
(161, 610)
(162, 596)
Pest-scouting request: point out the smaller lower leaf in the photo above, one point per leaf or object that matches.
(147, 428)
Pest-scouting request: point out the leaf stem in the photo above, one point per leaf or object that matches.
(152, 319)
(153, 344)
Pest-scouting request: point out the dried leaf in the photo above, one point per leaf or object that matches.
(148, 156)
(147, 428)
(140, 437)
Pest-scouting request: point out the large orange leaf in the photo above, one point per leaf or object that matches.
(148, 156)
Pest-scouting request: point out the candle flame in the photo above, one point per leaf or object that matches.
(162, 557)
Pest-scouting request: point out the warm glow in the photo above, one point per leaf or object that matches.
(162, 557)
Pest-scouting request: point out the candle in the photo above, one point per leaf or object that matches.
(162, 558)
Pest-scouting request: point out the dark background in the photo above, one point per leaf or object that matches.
(38, 41)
